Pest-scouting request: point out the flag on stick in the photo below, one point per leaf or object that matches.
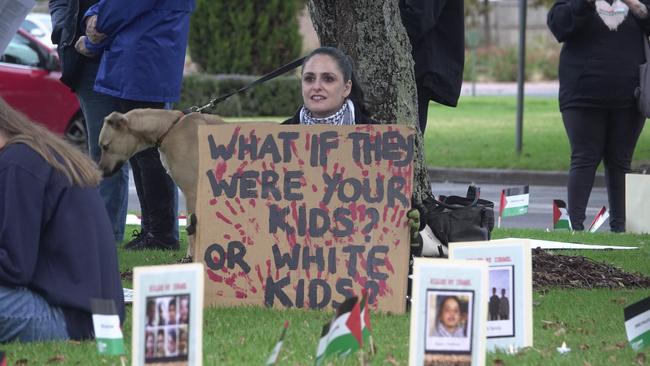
(599, 220)
(514, 201)
(106, 324)
(560, 215)
(366, 327)
(273, 358)
(3, 359)
(342, 335)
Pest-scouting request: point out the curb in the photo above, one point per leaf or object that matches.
(504, 176)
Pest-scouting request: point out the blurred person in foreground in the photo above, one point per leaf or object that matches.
(57, 249)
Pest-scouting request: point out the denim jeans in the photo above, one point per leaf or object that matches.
(114, 190)
(157, 192)
(27, 317)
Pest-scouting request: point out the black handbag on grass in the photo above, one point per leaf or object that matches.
(456, 218)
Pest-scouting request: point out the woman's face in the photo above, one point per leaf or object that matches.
(450, 316)
(323, 87)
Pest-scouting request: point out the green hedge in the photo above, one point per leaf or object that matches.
(278, 97)
(244, 37)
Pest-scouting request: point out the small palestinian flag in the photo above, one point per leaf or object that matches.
(273, 358)
(514, 201)
(637, 324)
(343, 335)
(106, 324)
(560, 215)
(599, 220)
(3, 359)
(366, 327)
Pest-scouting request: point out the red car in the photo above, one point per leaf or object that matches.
(29, 82)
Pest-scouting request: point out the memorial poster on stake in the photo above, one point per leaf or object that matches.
(510, 289)
(448, 312)
(168, 315)
(304, 216)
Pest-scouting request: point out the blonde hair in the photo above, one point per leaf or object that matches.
(76, 166)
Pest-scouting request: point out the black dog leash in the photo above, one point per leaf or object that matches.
(271, 75)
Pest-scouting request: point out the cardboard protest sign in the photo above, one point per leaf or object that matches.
(168, 315)
(304, 216)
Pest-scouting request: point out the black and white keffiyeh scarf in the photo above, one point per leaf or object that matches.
(344, 116)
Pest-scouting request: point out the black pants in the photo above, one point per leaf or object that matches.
(597, 134)
(156, 190)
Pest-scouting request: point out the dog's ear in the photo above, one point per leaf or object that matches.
(116, 120)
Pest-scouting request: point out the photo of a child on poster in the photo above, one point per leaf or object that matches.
(166, 329)
(500, 303)
(448, 327)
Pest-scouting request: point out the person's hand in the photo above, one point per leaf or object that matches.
(91, 31)
(639, 9)
(414, 223)
(80, 46)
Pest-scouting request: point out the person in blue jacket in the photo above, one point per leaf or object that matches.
(79, 73)
(142, 45)
(57, 250)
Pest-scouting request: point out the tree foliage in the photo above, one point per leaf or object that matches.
(246, 37)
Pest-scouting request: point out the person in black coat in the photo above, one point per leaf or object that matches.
(599, 72)
(330, 91)
(436, 29)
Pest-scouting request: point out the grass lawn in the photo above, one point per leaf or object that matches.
(480, 133)
(590, 321)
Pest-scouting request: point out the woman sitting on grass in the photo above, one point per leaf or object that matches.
(57, 249)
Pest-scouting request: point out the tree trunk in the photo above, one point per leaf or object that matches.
(372, 34)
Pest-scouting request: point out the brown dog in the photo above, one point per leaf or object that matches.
(123, 135)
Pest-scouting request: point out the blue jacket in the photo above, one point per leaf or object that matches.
(144, 55)
(55, 239)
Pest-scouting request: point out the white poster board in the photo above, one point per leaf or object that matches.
(12, 14)
(637, 203)
(168, 315)
(448, 312)
(510, 289)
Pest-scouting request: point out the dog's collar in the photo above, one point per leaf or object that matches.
(162, 137)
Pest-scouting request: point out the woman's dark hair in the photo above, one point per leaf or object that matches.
(347, 69)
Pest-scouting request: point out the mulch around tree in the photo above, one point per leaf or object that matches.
(566, 271)
(558, 270)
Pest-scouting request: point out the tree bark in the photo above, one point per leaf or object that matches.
(372, 34)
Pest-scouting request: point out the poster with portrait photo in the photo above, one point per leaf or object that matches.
(449, 321)
(510, 289)
(448, 312)
(501, 320)
(168, 315)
